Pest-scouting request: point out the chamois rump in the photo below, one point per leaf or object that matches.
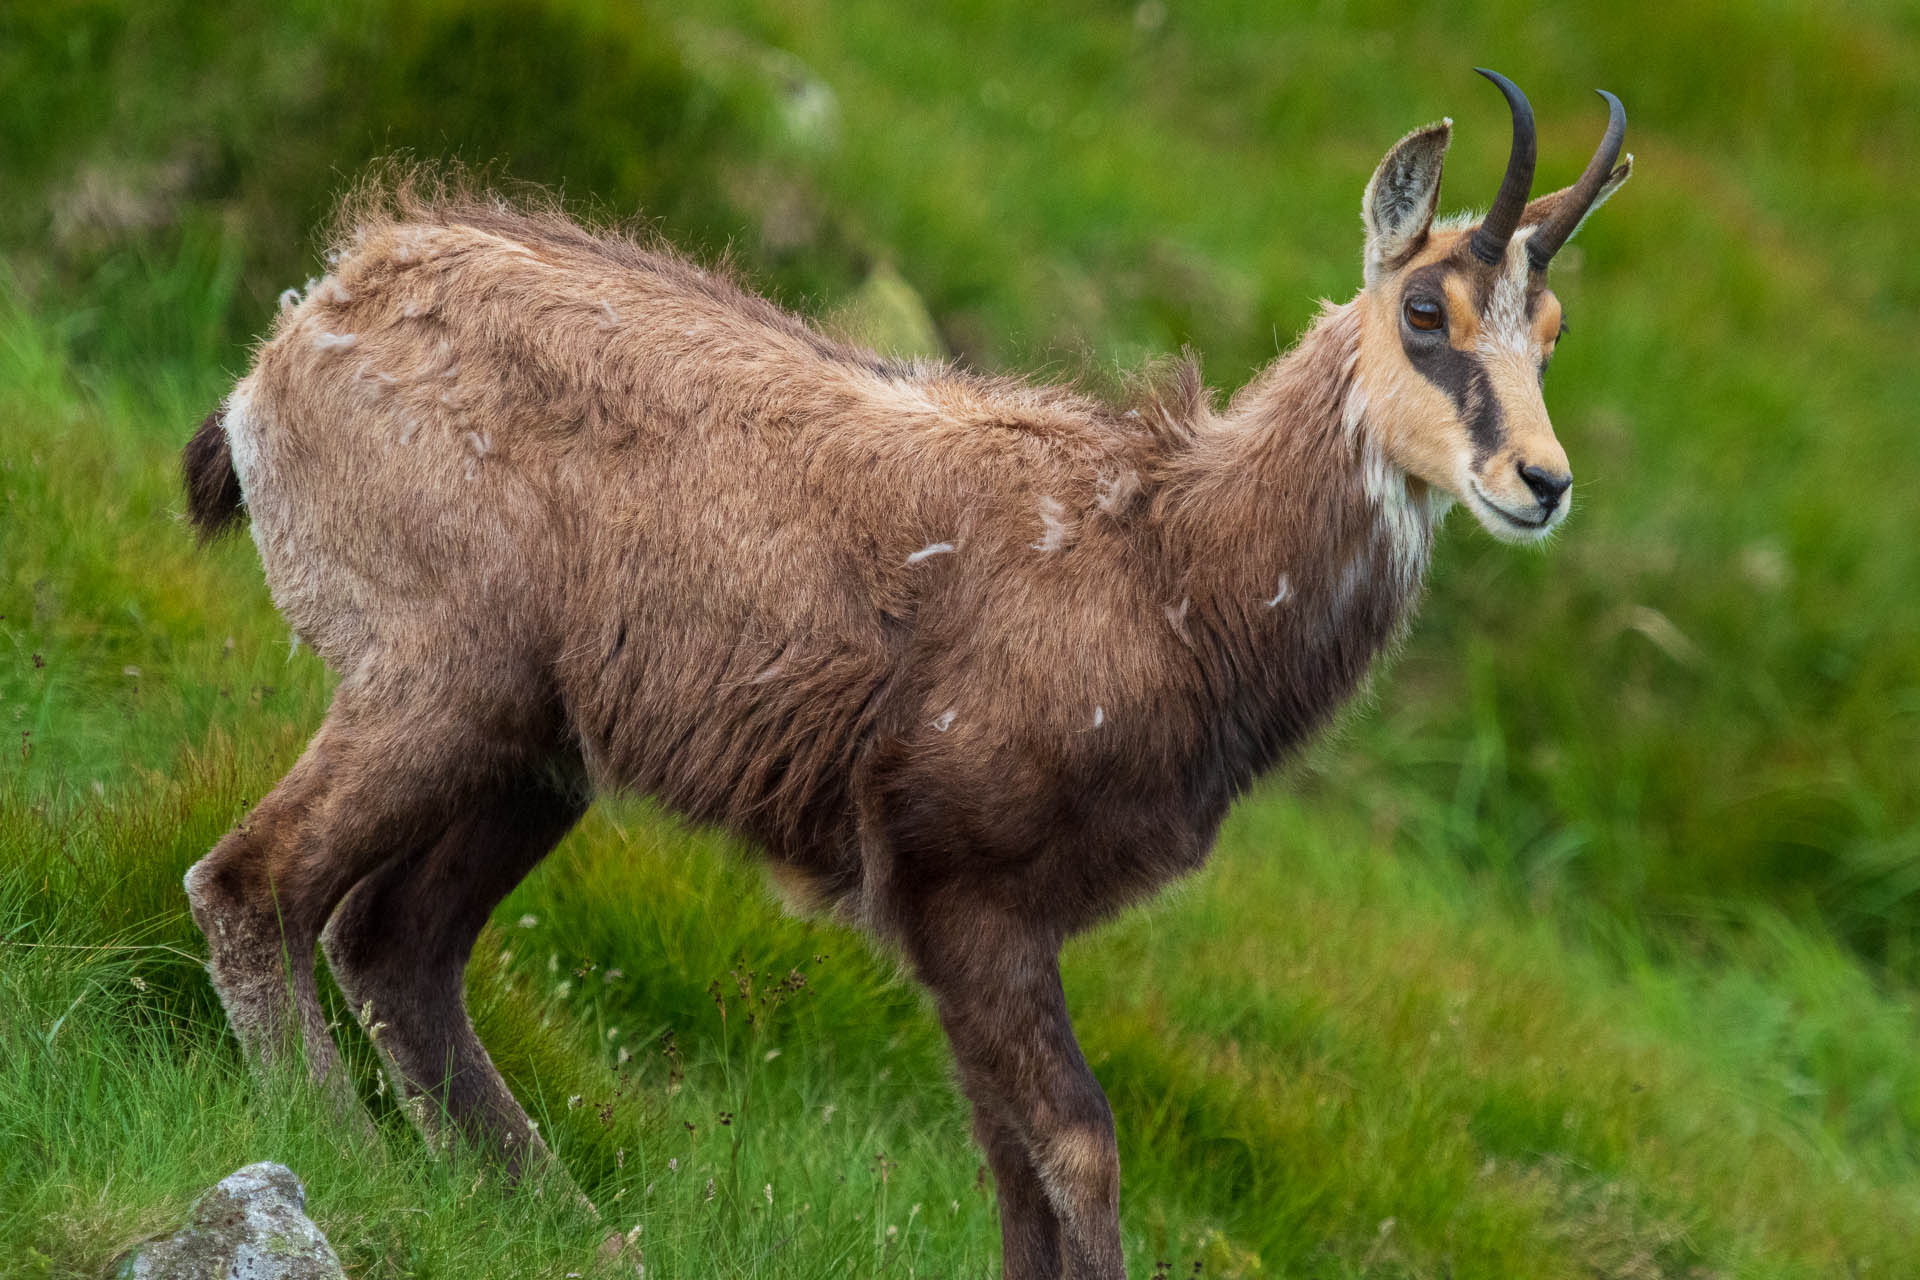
(975, 661)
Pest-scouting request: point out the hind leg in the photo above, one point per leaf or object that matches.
(398, 947)
(379, 779)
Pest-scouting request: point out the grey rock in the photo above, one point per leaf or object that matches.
(253, 1225)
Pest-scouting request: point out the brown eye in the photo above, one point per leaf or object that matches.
(1424, 314)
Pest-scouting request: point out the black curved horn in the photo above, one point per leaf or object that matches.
(1490, 239)
(1551, 234)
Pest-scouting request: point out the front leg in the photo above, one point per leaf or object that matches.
(1039, 1112)
(1029, 1228)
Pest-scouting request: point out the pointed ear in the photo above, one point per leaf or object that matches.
(1400, 201)
(1543, 208)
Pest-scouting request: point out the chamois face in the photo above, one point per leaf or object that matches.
(1454, 348)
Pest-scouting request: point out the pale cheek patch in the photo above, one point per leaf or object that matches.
(334, 341)
(1417, 431)
(1405, 443)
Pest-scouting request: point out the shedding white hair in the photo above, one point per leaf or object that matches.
(932, 549)
(1053, 522)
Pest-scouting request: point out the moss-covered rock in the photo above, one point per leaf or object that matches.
(252, 1225)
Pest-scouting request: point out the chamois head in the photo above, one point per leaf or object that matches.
(1459, 323)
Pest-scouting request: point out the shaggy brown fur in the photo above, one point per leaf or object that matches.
(975, 661)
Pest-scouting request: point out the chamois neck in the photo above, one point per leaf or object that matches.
(1289, 480)
(1298, 549)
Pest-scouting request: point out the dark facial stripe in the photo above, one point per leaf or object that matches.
(1464, 378)
(1460, 374)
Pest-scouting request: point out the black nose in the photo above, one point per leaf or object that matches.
(1547, 485)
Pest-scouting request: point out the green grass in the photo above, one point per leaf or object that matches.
(1587, 948)
(1336, 1063)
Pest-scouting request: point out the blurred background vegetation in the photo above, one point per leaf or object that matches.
(1586, 948)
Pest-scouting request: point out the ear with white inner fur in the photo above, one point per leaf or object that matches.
(1542, 208)
(1402, 196)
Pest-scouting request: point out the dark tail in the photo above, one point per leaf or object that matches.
(213, 488)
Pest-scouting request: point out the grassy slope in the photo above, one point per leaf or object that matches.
(1383, 1035)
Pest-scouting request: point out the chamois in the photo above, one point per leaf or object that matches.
(974, 661)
